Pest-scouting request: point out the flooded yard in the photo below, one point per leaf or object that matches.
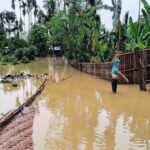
(77, 111)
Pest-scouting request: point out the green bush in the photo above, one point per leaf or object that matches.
(16, 42)
(30, 52)
(19, 53)
(38, 37)
(25, 60)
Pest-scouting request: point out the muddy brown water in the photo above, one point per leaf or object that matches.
(77, 111)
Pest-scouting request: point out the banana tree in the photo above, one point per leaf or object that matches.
(139, 32)
(146, 11)
(86, 28)
(146, 15)
(50, 6)
(138, 35)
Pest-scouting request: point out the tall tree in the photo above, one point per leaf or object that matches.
(20, 12)
(24, 7)
(116, 9)
(13, 4)
(36, 9)
(9, 19)
(30, 5)
(143, 34)
(50, 6)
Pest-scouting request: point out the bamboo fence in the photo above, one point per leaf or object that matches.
(127, 67)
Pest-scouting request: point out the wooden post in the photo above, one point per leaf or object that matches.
(139, 70)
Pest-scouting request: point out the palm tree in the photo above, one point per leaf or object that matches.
(13, 4)
(9, 19)
(36, 9)
(41, 16)
(49, 5)
(92, 2)
(23, 5)
(29, 11)
(116, 9)
(2, 22)
(2, 31)
(30, 5)
(13, 7)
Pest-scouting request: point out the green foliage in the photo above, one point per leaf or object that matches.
(9, 59)
(77, 28)
(146, 6)
(38, 37)
(133, 28)
(2, 37)
(138, 35)
(77, 31)
(56, 30)
(104, 52)
(16, 50)
(49, 5)
(25, 54)
(129, 47)
(16, 42)
(25, 59)
(6, 81)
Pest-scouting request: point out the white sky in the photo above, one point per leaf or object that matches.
(128, 5)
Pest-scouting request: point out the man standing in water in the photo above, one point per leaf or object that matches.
(115, 73)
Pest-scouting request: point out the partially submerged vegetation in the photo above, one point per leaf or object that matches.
(12, 78)
(5, 81)
(76, 26)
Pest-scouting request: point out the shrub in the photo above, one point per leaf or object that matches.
(25, 60)
(38, 37)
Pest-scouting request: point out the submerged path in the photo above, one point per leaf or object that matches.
(17, 134)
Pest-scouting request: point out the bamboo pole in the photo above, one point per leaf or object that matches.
(11, 115)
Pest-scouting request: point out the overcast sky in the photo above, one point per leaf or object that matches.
(128, 5)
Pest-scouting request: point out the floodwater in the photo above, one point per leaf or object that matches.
(79, 112)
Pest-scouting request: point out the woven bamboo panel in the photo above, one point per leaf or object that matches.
(127, 67)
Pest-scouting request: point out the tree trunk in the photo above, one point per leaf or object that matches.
(119, 36)
(28, 20)
(20, 30)
(24, 24)
(139, 18)
(139, 68)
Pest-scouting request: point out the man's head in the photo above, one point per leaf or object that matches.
(117, 55)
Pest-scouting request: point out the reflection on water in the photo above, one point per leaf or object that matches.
(11, 97)
(79, 112)
(82, 113)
